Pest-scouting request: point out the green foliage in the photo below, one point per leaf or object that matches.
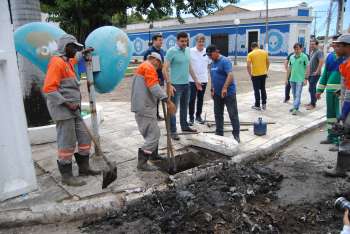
(80, 17)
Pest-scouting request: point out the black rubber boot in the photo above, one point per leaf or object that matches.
(67, 175)
(84, 165)
(339, 170)
(155, 156)
(142, 162)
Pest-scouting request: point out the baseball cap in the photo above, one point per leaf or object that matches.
(210, 49)
(64, 40)
(156, 56)
(345, 38)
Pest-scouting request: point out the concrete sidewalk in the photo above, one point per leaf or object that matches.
(120, 141)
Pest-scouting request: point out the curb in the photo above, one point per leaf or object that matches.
(102, 205)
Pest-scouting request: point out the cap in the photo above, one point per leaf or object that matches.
(345, 38)
(156, 56)
(64, 40)
(210, 49)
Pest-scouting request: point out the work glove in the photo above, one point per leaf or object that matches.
(345, 110)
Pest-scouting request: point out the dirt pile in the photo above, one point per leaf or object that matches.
(238, 199)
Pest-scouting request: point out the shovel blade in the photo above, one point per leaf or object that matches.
(109, 177)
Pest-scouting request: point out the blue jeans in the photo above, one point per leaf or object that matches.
(312, 89)
(181, 95)
(297, 87)
(231, 105)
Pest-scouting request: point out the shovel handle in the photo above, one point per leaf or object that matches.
(109, 164)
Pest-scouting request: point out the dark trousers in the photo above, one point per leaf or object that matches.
(312, 89)
(287, 91)
(259, 88)
(231, 105)
(199, 95)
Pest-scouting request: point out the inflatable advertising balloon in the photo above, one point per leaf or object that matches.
(114, 48)
(37, 42)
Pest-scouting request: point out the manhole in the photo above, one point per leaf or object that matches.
(188, 158)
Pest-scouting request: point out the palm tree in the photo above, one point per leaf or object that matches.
(26, 11)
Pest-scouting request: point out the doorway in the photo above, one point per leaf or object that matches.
(221, 42)
(253, 36)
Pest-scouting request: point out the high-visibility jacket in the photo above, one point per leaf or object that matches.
(146, 90)
(61, 85)
(330, 79)
(344, 69)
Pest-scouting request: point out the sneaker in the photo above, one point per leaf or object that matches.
(334, 148)
(286, 100)
(175, 137)
(291, 110)
(188, 129)
(191, 122)
(294, 112)
(306, 105)
(159, 118)
(199, 120)
(310, 107)
(237, 139)
(256, 108)
(326, 142)
(264, 106)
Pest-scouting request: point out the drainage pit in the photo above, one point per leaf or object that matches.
(187, 158)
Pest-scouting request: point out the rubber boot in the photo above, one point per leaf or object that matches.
(155, 156)
(84, 165)
(67, 175)
(339, 170)
(142, 162)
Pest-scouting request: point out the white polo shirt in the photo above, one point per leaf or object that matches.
(199, 64)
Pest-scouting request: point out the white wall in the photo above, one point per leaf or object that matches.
(295, 30)
(17, 174)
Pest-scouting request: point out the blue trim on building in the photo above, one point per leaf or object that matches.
(278, 37)
(223, 26)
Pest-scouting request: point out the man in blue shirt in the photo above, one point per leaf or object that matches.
(223, 91)
(157, 42)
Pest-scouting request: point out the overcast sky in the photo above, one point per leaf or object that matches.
(317, 5)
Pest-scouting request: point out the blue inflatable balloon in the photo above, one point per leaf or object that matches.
(114, 48)
(37, 42)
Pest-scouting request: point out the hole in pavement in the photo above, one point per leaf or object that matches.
(188, 158)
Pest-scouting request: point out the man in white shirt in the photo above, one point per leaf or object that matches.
(199, 64)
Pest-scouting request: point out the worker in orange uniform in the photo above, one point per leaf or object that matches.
(343, 49)
(61, 87)
(144, 95)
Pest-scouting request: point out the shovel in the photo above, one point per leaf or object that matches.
(170, 152)
(108, 175)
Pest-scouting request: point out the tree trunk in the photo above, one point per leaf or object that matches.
(23, 12)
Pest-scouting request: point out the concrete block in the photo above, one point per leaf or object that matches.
(223, 145)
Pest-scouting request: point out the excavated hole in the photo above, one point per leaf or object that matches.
(189, 158)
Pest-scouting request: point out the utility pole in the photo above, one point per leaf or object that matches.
(329, 17)
(267, 27)
(340, 17)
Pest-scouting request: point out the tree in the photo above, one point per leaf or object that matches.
(24, 11)
(80, 17)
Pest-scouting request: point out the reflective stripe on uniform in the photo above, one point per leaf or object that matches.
(84, 146)
(65, 154)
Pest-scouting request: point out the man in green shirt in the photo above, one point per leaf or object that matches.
(177, 59)
(298, 71)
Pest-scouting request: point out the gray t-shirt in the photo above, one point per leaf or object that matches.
(315, 60)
